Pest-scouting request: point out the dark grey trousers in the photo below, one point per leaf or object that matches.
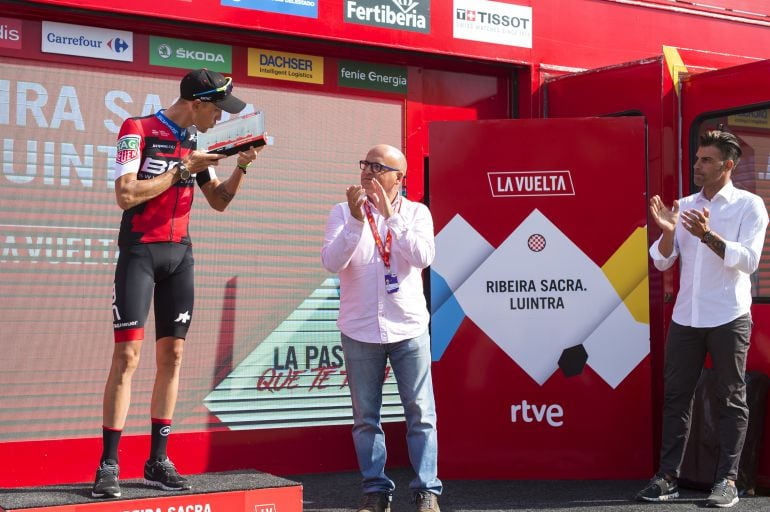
(686, 349)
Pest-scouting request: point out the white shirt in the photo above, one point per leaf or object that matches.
(713, 291)
(367, 312)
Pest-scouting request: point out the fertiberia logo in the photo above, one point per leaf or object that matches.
(412, 15)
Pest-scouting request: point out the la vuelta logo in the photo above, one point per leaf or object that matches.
(535, 183)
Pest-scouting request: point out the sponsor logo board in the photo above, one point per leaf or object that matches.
(10, 33)
(183, 53)
(492, 22)
(412, 15)
(755, 119)
(305, 8)
(375, 77)
(295, 67)
(525, 184)
(82, 41)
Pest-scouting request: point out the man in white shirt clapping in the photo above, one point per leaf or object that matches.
(379, 242)
(717, 234)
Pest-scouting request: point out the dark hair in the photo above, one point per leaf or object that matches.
(726, 142)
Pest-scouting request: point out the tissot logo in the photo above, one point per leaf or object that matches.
(413, 15)
(538, 183)
(494, 19)
(493, 22)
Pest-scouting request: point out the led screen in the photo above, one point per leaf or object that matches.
(263, 350)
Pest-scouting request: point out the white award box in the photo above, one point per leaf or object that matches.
(237, 134)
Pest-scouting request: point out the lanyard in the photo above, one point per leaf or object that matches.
(384, 249)
(179, 132)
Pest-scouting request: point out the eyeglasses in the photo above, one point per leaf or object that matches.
(216, 94)
(376, 167)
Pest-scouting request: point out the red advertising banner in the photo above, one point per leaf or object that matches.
(270, 499)
(539, 296)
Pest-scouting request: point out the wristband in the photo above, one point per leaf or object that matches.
(242, 167)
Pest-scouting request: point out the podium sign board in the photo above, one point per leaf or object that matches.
(539, 298)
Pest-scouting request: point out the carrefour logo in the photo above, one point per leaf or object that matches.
(182, 53)
(83, 41)
(117, 44)
(413, 15)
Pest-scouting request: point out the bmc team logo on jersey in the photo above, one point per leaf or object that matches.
(525, 184)
(82, 41)
(10, 33)
(413, 15)
(128, 149)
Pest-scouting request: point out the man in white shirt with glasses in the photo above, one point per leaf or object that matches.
(379, 242)
(718, 235)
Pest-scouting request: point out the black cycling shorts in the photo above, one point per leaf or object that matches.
(167, 269)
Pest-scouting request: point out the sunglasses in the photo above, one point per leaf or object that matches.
(219, 93)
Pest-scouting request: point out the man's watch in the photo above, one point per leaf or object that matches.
(707, 237)
(183, 171)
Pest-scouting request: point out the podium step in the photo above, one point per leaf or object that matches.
(232, 491)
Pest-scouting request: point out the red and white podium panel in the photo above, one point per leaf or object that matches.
(212, 492)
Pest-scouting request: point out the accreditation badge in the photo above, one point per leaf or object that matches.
(391, 282)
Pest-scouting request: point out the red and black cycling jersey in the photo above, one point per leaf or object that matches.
(149, 146)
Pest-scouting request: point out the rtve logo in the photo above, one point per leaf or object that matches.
(552, 414)
(269, 507)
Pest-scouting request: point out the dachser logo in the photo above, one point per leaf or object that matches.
(10, 33)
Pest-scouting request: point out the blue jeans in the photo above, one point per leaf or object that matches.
(410, 360)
